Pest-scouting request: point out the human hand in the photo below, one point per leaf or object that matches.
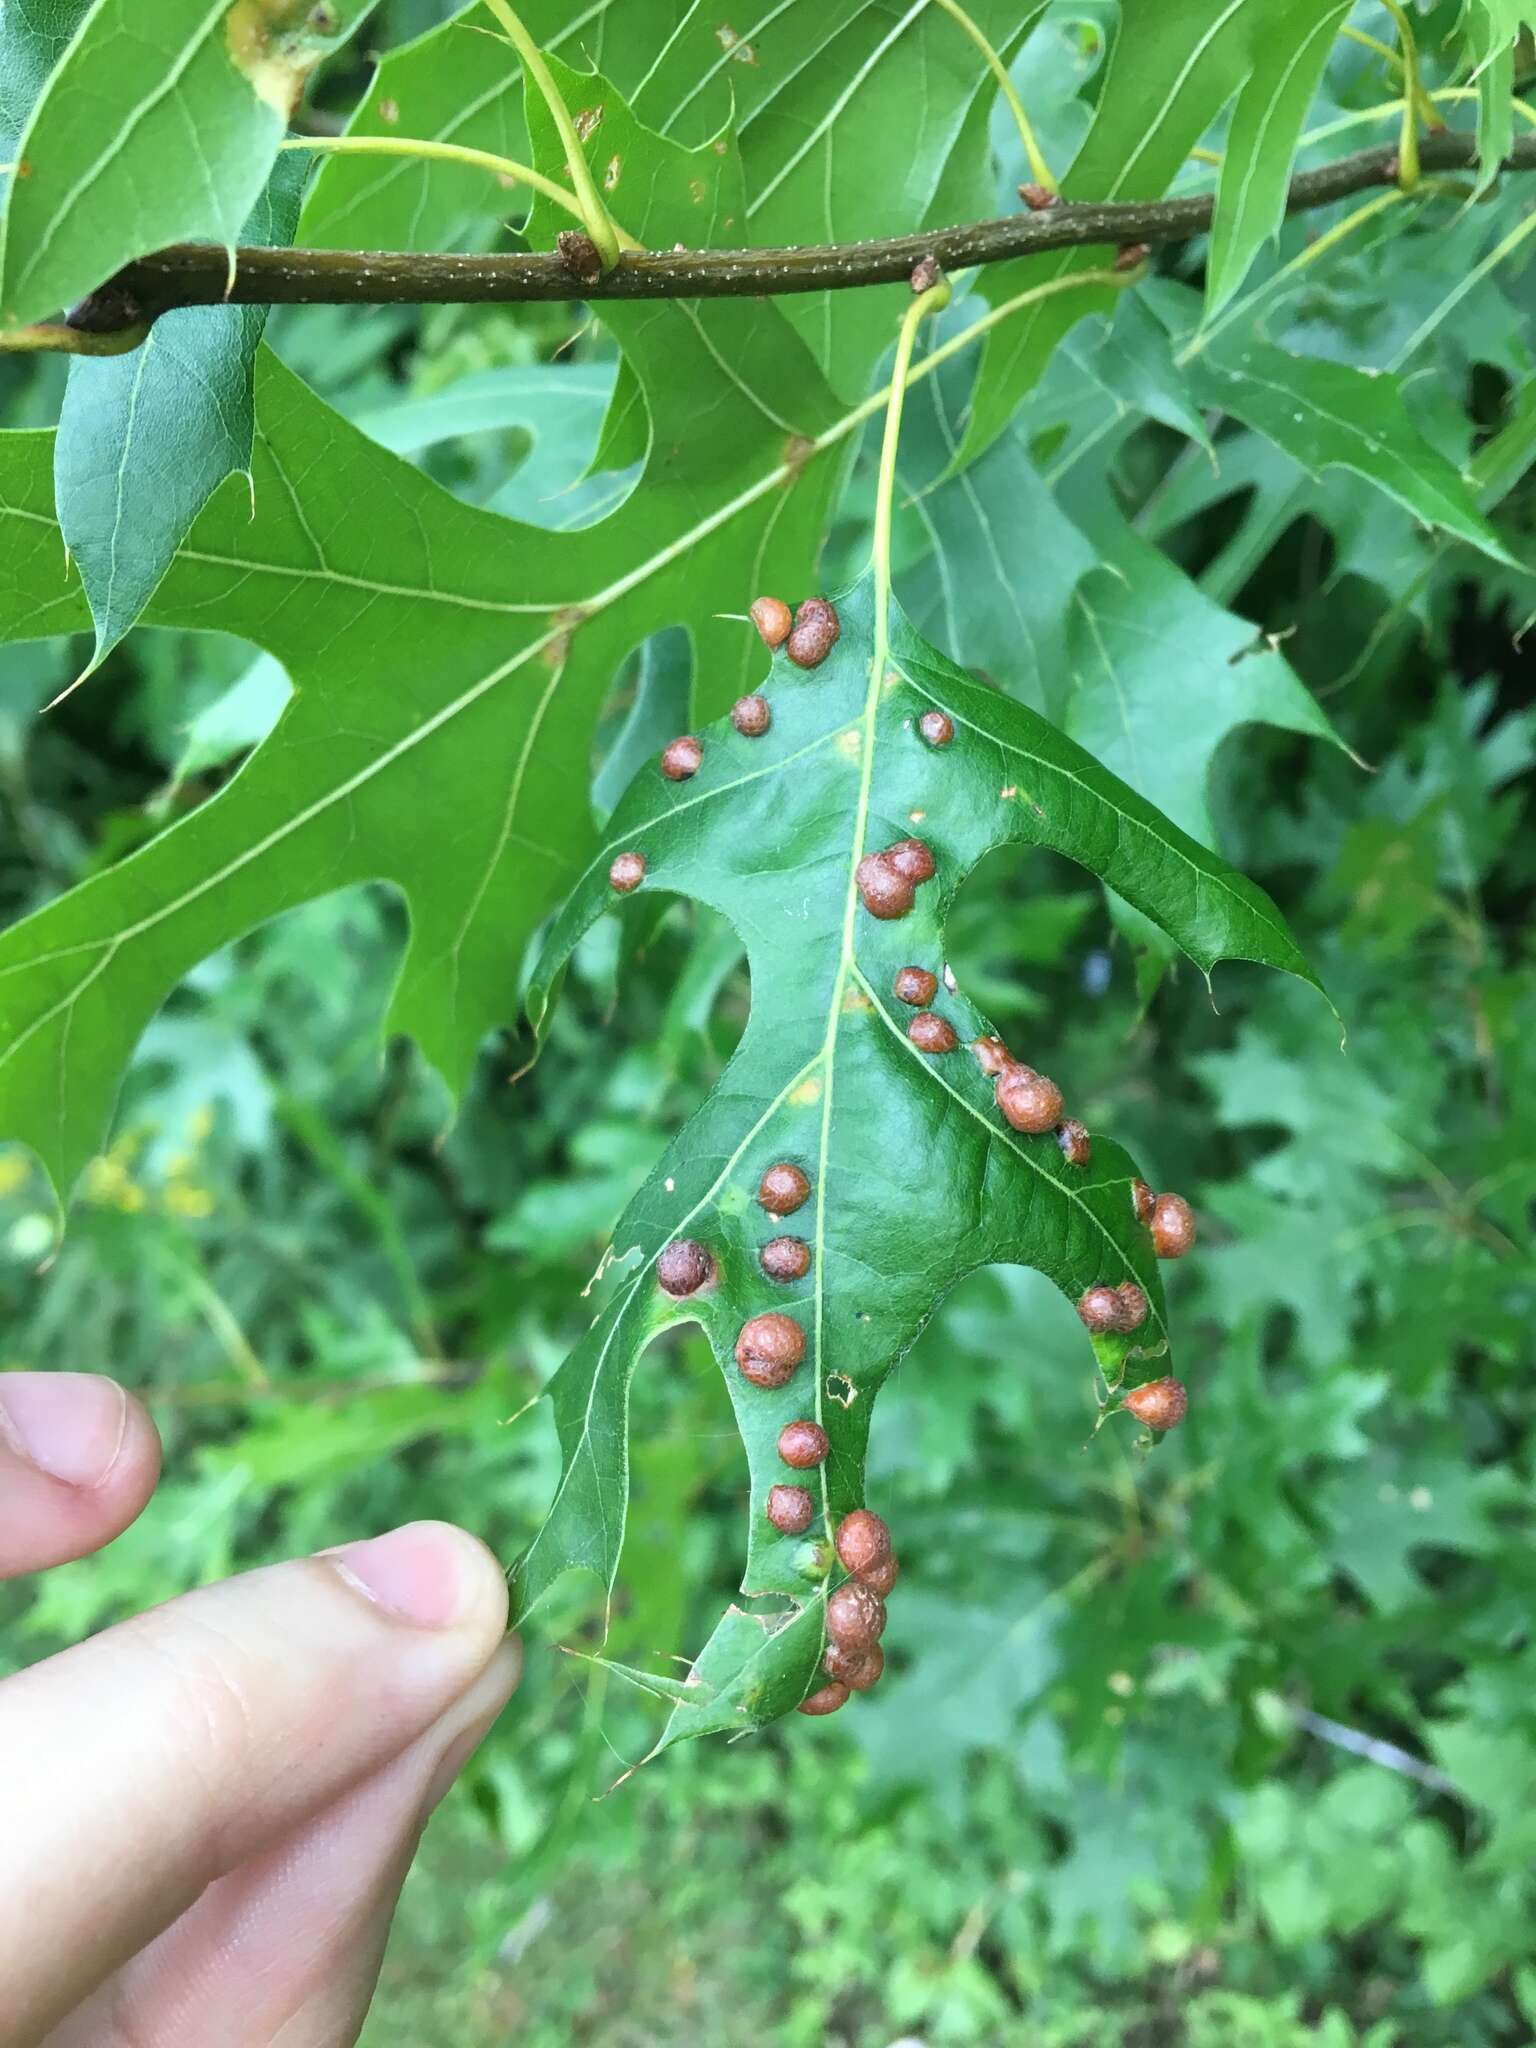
(206, 1812)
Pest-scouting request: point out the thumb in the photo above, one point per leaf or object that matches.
(149, 1761)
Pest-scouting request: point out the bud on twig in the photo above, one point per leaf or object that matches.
(579, 254)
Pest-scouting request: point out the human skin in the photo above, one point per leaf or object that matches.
(206, 1812)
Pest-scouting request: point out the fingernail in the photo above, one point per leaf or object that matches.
(420, 1574)
(70, 1425)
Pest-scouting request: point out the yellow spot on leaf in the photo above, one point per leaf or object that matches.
(611, 175)
(273, 43)
(586, 120)
(854, 1000)
(797, 452)
(565, 623)
(808, 1092)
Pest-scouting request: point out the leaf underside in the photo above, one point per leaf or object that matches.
(915, 1177)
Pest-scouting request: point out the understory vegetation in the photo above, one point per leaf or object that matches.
(1228, 1742)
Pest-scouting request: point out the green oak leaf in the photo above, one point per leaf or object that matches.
(805, 86)
(1059, 600)
(461, 82)
(1490, 28)
(449, 665)
(1066, 605)
(145, 439)
(1262, 139)
(1328, 415)
(156, 124)
(34, 35)
(915, 1177)
(826, 162)
(1173, 68)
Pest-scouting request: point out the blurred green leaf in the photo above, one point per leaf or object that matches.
(1331, 415)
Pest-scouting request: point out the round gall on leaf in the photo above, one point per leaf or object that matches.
(771, 617)
(803, 1445)
(1160, 1404)
(1173, 1226)
(768, 1349)
(1028, 1100)
(827, 1701)
(1076, 1145)
(1133, 1306)
(855, 1616)
(814, 634)
(785, 1258)
(931, 1034)
(881, 1577)
(627, 872)
(1099, 1310)
(915, 985)
(782, 1189)
(857, 1669)
(790, 1509)
(992, 1056)
(751, 716)
(863, 1540)
(681, 757)
(885, 893)
(767, 1373)
(684, 1267)
(868, 1673)
(912, 860)
(937, 728)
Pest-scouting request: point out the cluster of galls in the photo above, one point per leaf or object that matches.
(807, 637)
(888, 882)
(770, 1347)
(1160, 1403)
(855, 1617)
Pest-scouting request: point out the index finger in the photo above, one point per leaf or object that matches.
(166, 1751)
(79, 1458)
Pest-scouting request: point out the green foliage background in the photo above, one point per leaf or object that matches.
(1233, 1747)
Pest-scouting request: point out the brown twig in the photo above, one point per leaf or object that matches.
(197, 274)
